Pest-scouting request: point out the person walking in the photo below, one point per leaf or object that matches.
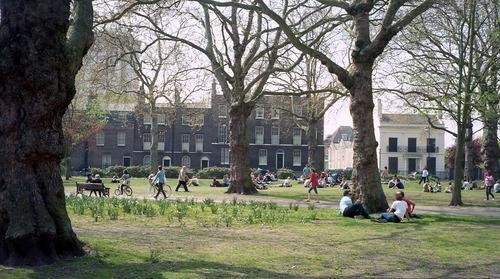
(160, 180)
(183, 179)
(488, 185)
(424, 177)
(313, 185)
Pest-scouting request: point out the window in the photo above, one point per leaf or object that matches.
(161, 140)
(393, 165)
(224, 156)
(297, 158)
(126, 161)
(259, 113)
(147, 119)
(146, 160)
(186, 161)
(275, 113)
(146, 141)
(259, 135)
(121, 116)
(275, 135)
(185, 142)
(262, 157)
(431, 145)
(222, 133)
(106, 161)
(198, 120)
(431, 165)
(161, 119)
(222, 111)
(297, 136)
(185, 120)
(344, 137)
(412, 144)
(204, 162)
(167, 161)
(120, 139)
(99, 139)
(198, 140)
(393, 145)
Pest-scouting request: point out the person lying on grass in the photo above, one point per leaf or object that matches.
(348, 209)
(396, 212)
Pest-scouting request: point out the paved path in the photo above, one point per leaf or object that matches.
(473, 211)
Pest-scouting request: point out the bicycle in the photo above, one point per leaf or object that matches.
(166, 188)
(123, 188)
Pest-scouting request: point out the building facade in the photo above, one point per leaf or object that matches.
(407, 143)
(197, 136)
(338, 148)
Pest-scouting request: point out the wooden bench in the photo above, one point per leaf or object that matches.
(80, 187)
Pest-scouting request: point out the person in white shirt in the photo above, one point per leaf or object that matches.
(425, 175)
(287, 183)
(496, 187)
(348, 209)
(396, 212)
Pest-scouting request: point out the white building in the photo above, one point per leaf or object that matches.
(338, 149)
(407, 143)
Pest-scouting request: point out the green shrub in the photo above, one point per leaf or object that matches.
(98, 171)
(213, 172)
(115, 170)
(138, 171)
(173, 172)
(284, 173)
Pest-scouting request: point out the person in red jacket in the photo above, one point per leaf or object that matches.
(313, 185)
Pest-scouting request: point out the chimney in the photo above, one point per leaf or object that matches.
(379, 109)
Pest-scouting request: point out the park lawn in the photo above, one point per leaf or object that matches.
(298, 192)
(326, 245)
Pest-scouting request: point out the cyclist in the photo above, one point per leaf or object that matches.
(160, 181)
(125, 180)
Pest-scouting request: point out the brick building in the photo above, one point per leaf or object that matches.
(196, 135)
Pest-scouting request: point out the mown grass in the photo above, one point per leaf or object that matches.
(284, 242)
(298, 192)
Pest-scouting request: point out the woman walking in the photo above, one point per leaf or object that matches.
(488, 185)
(313, 185)
(183, 179)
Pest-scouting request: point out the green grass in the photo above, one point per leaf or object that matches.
(298, 192)
(201, 245)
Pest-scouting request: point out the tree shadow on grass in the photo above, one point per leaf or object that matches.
(90, 267)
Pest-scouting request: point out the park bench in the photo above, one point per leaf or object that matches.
(80, 187)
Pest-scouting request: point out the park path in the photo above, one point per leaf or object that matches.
(472, 211)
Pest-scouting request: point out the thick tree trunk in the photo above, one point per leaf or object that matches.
(37, 71)
(456, 196)
(241, 182)
(312, 142)
(490, 150)
(365, 176)
(153, 151)
(67, 160)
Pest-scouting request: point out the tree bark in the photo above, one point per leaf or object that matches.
(39, 58)
(469, 152)
(365, 176)
(456, 196)
(490, 149)
(241, 182)
(67, 160)
(153, 151)
(312, 142)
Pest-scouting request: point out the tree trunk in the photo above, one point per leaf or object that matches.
(38, 64)
(312, 142)
(67, 160)
(365, 176)
(456, 196)
(490, 149)
(469, 152)
(241, 182)
(153, 151)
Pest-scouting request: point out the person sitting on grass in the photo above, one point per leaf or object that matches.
(396, 182)
(343, 183)
(287, 183)
(449, 189)
(427, 188)
(410, 203)
(496, 187)
(437, 187)
(225, 181)
(215, 183)
(194, 181)
(396, 212)
(348, 209)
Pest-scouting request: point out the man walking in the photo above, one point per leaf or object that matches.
(160, 178)
(183, 178)
(425, 175)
